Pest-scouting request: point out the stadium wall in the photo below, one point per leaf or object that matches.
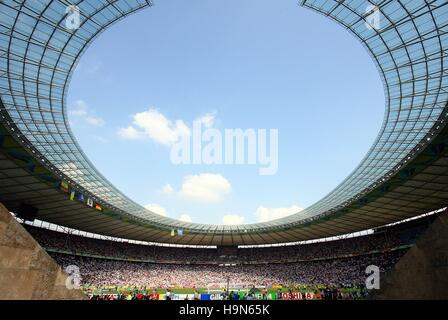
(422, 273)
(26, 270)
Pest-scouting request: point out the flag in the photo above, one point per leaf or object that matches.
(72, 195)
(64, 186)
(81, 197)
(180, 232)
(90, 202)
(98, 207)
(173, 233)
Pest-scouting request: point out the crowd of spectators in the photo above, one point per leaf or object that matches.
(377, 242)
(339, 263)
(332, 264)
(343, 272)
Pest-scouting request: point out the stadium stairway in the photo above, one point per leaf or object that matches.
(26, 270)
(422, 273)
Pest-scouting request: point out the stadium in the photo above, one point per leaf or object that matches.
(59, 211)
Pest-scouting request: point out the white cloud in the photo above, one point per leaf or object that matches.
(130, 133)
(232, 219)
(156, 208)
(266, 214)
(205, 187)
(80, 111)
(80, 108)
(185, 218)
(95, 121)
(159, 128)
(154, 125)
(167, 189)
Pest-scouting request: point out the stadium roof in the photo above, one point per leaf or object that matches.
(403, 174)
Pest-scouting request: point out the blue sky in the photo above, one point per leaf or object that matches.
(239, 64)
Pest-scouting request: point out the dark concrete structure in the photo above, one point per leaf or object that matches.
(422, 273)
(26, 270)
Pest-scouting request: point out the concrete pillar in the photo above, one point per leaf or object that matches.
(422, 273)
(26, 270)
